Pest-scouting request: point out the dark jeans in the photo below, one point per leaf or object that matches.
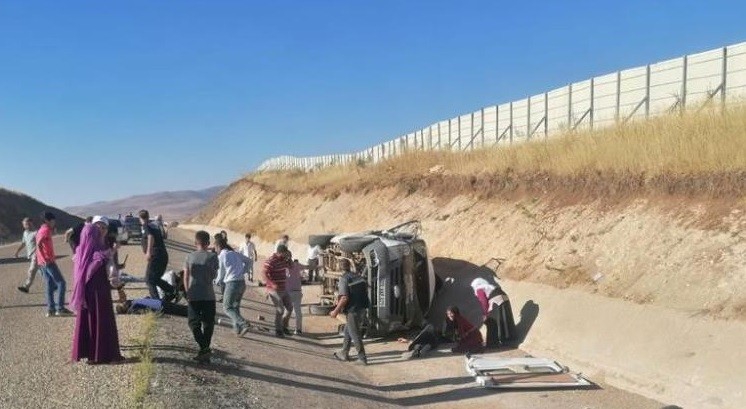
(500, 325)
(201, 317)
(155, 270)
(55, 282)
(352, 334)
(313, 269)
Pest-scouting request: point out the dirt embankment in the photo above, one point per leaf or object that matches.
(683, 252)
(15, 206)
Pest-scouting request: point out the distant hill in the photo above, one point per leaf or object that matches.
(177, 205)
(14, 206)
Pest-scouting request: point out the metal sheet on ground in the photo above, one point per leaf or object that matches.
(521, 373)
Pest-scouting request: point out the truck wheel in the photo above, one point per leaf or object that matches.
(319, 309)
(321, 240)
(355, 244)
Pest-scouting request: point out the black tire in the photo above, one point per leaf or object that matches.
(319, 309)
(355, 244)
(321, 240)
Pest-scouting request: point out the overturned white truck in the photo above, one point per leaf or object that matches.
(401, 279)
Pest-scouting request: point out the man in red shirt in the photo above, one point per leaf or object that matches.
(275, 272)
(47, 261)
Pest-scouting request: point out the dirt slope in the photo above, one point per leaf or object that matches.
(15, 206)
(678, 252)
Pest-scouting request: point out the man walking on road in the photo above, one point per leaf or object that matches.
(48, 263)
(157, 258)
(353, 302)
(248, 249)
(29, 242)
(231, 273)
(200, 269)
(275, 272)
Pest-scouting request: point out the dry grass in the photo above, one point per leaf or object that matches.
(666, 148)
(145, 368)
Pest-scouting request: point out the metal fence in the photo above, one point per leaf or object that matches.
(715, 76)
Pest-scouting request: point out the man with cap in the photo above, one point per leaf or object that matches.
(353, 302)
(47, 261)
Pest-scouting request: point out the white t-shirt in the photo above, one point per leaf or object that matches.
(248, 250)
(314, 252)
(169, 277)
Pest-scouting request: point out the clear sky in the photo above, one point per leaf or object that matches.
(103, 99)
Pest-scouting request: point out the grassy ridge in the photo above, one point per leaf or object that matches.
(710, 142)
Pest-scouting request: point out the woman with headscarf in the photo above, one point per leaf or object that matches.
(496, 310)
(467, 336)
(96, 337)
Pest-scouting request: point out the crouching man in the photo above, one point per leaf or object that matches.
(353, 302)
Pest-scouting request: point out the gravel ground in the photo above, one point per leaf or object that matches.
(35, 350)
(255, 371)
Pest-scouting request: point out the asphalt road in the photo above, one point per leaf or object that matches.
(35, 350)
(256, 371)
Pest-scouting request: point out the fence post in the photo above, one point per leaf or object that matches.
(459, 132)
(725, 77)
(449, 135)
(482, 128)
(511, 122)
(546, 115)
(430, 138)
(684, 74)
(618, 96)
(647, 91)
(497, 123)
(593, 84)
(528, 119)
(471, 136)
(569, 107)
(440, 146)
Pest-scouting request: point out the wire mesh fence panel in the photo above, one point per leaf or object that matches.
(688, 82)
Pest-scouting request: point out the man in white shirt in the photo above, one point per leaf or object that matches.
(248, 249)
(28, 242)
(314, 252)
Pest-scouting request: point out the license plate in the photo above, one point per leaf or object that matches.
(382, 294)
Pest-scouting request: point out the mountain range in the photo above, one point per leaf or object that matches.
(173, 206)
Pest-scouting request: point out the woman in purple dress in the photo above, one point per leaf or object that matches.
(95, 337)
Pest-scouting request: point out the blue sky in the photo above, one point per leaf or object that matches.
(101, 100)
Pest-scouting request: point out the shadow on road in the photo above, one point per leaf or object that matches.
(456, 277)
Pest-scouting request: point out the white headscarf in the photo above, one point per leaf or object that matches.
(482, 284)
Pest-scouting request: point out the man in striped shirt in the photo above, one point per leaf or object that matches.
(275, 273)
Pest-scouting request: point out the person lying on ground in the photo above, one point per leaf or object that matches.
(145, 305)
(468, 338)
(425, 341)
